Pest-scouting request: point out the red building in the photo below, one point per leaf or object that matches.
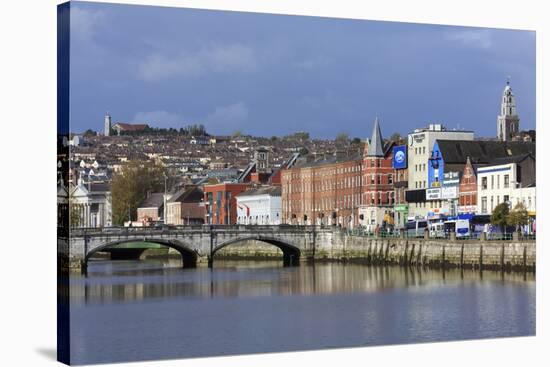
(325, 191)
(221, 203)
(467, 190)
(345, 189)
(378, 182)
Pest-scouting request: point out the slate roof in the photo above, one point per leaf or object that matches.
(376, 142)
(187, 195)
(302, 163)
(155, 200)
(457, 151)
(266, 190)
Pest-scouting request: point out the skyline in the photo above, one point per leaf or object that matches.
(269, 75)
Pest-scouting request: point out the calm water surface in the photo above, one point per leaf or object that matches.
(140, 310)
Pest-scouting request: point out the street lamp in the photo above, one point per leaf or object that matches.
(164, 198)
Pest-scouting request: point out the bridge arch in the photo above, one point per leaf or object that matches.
(188, 255)
(291, 253)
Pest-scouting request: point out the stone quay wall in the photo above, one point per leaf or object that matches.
(435, 253)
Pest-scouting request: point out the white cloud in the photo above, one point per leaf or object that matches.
(311, 64)
(213, 59)
(159, 119)
(84, 23)
(230, 114)
(479, 38)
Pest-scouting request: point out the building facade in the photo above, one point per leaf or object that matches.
(260, 206)
(93, 204)
(467, 192)
(186, 207)
(326, 191)
(420, 144)
(221, 203)
(507, 182)
(376, 209)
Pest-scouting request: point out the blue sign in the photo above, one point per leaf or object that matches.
(399, 157)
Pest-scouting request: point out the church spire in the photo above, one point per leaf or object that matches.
(375, 148)
(508, 120)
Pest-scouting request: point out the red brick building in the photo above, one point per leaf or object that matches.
(467, 190)
(325, 191)
(220, 202)
(378, 182)
(344, 189)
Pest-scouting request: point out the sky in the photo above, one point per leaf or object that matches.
(265, 74)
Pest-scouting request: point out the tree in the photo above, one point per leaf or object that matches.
(356, 141)
(395, 137)
(74, 212)
(500, 216)
(129, 188)
(518, 216)
(88, 133)
(342, 138)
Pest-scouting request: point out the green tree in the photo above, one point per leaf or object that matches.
(395, 137)
(89, 133)
(500, 216)
(130, 185)
(74, 212)
(342, 138)
(356, 141)
(518, 216)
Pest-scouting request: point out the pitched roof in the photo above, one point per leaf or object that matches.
(376, 143)
(266, 190)
(188, 194)
(480, 151)
(130, 127)
(330, 160)
(154, 200)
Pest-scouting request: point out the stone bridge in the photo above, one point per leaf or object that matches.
(199, 244)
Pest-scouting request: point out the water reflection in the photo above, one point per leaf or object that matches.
(131, 281)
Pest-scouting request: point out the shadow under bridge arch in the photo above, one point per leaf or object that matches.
(291, 253)
(188, 255)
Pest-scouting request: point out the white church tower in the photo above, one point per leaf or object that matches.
(107, 125)
(508, 119)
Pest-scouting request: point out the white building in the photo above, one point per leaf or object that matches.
(511, 183)
(260, 206)
(420, 143)
(93, 202)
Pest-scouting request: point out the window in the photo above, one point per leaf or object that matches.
(492, 182)
(498, 182)
(378, 179)
(484, 204)
(390, 179)
(492, 203)
(484, 183)
(506, 198)
(506, 181)
(423, 150)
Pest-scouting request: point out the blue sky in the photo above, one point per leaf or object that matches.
(270, 75)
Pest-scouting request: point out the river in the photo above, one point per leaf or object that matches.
(143, 310)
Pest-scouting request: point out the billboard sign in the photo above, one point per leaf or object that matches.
(433, 194)
(399, 160)
(449, 192)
